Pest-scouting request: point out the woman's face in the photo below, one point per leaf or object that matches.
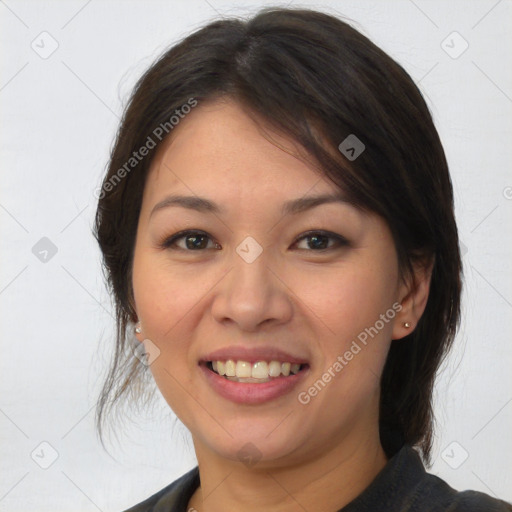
(266, 276)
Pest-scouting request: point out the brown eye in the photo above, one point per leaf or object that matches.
(318, 241)
(193, 241)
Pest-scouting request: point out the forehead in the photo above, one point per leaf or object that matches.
(220, 147)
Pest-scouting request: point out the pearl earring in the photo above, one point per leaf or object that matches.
(407, 325)
(138, 329)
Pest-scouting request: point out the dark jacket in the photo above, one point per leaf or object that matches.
(403, 485)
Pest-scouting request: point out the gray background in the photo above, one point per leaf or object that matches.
(67, 70)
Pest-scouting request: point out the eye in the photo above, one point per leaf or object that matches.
(319, 241)
(194, 241)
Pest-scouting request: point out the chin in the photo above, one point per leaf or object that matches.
(253, 445)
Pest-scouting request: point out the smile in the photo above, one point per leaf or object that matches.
(268, 385)
(260, 371)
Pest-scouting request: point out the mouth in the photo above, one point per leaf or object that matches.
(253, 382)
(254, 375)
(258, 372)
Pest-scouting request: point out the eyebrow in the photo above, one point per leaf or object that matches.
(292, 207)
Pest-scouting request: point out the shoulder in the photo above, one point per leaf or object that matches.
(441, 497)
(173, 498)
(473, 501)
(405, 485)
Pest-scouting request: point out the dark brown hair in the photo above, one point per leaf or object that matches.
(306, 73)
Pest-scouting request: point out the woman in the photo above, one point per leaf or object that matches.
(278, 232)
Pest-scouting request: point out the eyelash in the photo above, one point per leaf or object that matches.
(340, 241)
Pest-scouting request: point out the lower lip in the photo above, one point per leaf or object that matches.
(252, 393)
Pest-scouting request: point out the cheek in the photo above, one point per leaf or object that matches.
(348, 299)
(351, 337)
(164, 296)
(171, 301)
(162, 300)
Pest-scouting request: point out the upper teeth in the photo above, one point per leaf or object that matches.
(258, 370)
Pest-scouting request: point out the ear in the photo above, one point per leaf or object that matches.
(139, 335)
(137, 330)
(134, 318)
(413, 293)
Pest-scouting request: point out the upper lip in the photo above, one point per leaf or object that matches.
(252, 355)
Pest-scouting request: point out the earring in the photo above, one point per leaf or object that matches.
(407, 325)
(138, 329)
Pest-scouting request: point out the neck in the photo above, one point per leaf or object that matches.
(323, 483)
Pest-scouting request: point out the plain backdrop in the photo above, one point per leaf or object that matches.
(66, 72)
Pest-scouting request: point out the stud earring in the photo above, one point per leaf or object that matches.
(138, 329)
(407, 325)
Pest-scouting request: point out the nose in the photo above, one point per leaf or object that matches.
(252, 295)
